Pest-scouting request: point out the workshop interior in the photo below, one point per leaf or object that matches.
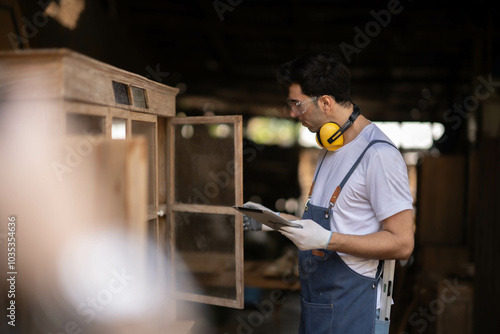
(130, 130)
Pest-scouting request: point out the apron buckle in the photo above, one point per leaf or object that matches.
(317, 252)
(327, 214)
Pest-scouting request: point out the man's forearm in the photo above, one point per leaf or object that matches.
(394, 241)
(381, 245)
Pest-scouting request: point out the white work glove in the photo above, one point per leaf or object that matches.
(310, 236)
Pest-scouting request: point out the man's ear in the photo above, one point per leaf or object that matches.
(326, 103)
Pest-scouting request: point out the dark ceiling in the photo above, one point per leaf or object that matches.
(411, 63)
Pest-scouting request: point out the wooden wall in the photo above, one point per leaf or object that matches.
(487, 238)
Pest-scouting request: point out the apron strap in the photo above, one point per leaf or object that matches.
(337, 191)
(361, 157)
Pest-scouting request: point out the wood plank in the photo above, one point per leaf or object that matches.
(121, 169)
(443, 260)
(206, 120)
(156, 186)
(143, 117)
(456, 317)
(487, 235)
(440, 187)
(162, 161)
(238, 189)
(136, 186)
(119, 113)
(72, 107)
(38, 78)
(170, 216)
(64, 74)
(163, 236)
(206, 299)
(108, 125)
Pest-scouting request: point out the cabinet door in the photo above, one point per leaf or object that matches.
(126, 124)
(204, 178)
(145, 126)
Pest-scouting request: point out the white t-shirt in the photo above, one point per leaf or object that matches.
(378, 189)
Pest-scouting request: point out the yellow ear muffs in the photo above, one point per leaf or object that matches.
(330, 136)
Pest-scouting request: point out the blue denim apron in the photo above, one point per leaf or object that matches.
(335, 298)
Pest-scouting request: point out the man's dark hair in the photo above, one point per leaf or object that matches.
(317, 74)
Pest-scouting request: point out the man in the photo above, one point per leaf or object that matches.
(359, 209)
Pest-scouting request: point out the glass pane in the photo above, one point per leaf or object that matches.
(119, 128)
(78, 124)
(147, 129)
(204, 164)
(205, 247)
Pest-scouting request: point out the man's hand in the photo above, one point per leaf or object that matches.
(250, 224)
(310, 236)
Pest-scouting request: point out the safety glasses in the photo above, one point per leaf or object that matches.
(297, 107)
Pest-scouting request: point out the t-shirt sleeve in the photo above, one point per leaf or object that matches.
(387, 182)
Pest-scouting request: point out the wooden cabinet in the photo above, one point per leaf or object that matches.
(194, 163)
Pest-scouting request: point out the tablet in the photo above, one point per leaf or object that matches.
(266, 217)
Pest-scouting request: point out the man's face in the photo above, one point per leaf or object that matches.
(313, 117)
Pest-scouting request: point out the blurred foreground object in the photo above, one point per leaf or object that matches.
(83, 259)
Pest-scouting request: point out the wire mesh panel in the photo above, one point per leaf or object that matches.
(139, 97)
(121, 93)
(206, 236)
(205, 250)
(205, 164)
